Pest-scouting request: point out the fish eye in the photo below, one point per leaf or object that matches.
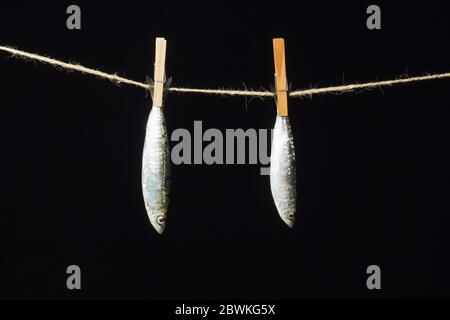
(160, 219)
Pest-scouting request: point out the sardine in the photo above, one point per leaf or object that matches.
(282, 170)
(156, 169)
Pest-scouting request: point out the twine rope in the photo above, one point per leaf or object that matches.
(224, 92)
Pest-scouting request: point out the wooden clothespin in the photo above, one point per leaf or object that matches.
(280, 76)
(160, 74)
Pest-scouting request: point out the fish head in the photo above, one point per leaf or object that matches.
(159, 222)
(289, 218)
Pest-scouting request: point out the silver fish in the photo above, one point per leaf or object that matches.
(156, 169)
(282, 170)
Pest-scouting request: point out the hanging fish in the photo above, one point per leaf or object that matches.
(156, 169)
(282, 155)
(156, 156)
(283, 171)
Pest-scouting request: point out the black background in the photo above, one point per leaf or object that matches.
(372, 166)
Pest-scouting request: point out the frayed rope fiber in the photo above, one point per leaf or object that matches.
(224, 92)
